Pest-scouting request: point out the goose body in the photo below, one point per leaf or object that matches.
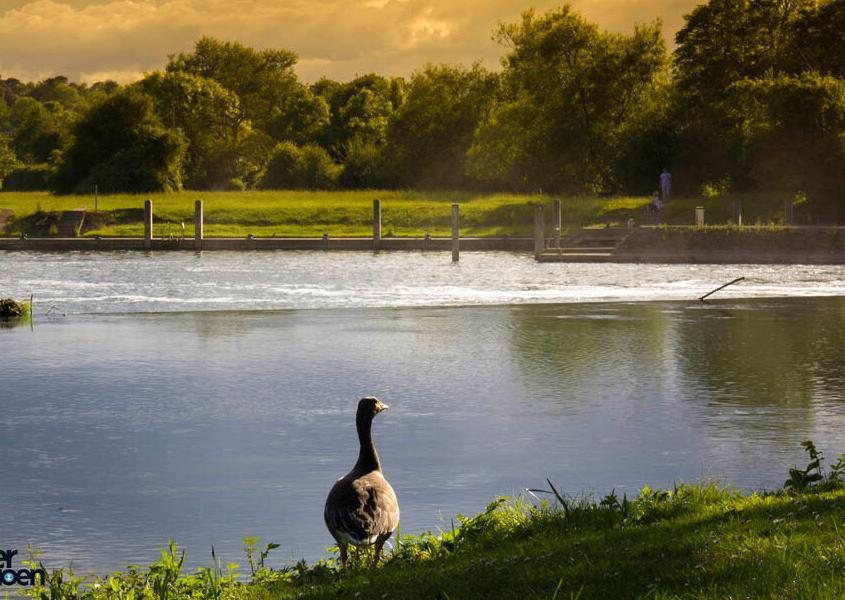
(361, 508)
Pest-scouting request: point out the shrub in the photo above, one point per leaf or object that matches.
(10, 308)
(292, 167)
(29, 178)
(235, 185)
(280, 171)
(364, 166)
(316, 169)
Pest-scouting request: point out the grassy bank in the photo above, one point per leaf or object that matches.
(404, 213)
(697, 541)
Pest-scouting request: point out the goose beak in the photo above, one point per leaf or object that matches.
(381, 407)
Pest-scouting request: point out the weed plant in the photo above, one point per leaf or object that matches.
(691, 541)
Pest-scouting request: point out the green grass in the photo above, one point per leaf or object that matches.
(404, 213)
(694, 541)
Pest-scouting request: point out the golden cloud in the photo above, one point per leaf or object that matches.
(335, 38)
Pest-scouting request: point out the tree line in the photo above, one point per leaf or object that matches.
(752, 98)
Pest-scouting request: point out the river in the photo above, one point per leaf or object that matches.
(208, 397)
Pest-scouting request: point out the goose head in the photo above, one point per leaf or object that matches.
(370, 406)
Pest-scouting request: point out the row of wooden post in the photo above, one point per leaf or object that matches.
(539, 234)
(198, 227)
(456, 240)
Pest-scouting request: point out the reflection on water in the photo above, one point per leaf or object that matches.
(122, 431)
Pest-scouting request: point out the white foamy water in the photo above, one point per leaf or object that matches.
(135, 282)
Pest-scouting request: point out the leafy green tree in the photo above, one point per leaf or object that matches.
(11, 89)
(649, 145)
(122, 146)
(360, 109)
(8, 160)
(434, 128)
(818, 43)
(209, 116)
(724, 41)
(301, 117)
(251, 155)
(793, 134)
(261, 79)
(58, 89)
(721, 43)
(272, 105)
(100, 90)
(571, 91)
(39, 131)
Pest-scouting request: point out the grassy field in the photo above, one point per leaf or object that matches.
(404, 213)
(698, 541)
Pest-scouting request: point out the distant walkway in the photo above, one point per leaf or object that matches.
(715, 245)
(265, 243)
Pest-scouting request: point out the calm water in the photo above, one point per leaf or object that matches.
(214, 418)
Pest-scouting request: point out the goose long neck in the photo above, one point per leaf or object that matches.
(367, 457)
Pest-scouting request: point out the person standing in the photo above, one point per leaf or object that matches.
(655, 208)
(665, 184)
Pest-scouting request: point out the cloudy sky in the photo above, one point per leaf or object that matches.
(120, 39)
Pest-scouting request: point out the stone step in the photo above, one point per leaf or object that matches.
(562, 255)
(70, 223)
(582, 249)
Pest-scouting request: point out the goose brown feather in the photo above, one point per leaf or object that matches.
(361, 508)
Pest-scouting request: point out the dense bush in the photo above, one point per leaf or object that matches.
(280, 171)
(364, 167)
(294, 167)
(122, 146)
(316, 169)
(29, 178)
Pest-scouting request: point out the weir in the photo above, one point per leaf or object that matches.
(666, 244)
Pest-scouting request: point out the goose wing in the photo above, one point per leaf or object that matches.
(362, 510)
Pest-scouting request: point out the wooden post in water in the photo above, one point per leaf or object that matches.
(788, 212)
(556, 223)
(699, 216)
(539, 234)
(456, 235)
(198, 225)
(148, 224)
(376, 223)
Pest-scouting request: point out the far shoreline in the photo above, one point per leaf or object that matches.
(793, 245)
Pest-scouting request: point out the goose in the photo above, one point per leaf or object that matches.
(361, 508)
